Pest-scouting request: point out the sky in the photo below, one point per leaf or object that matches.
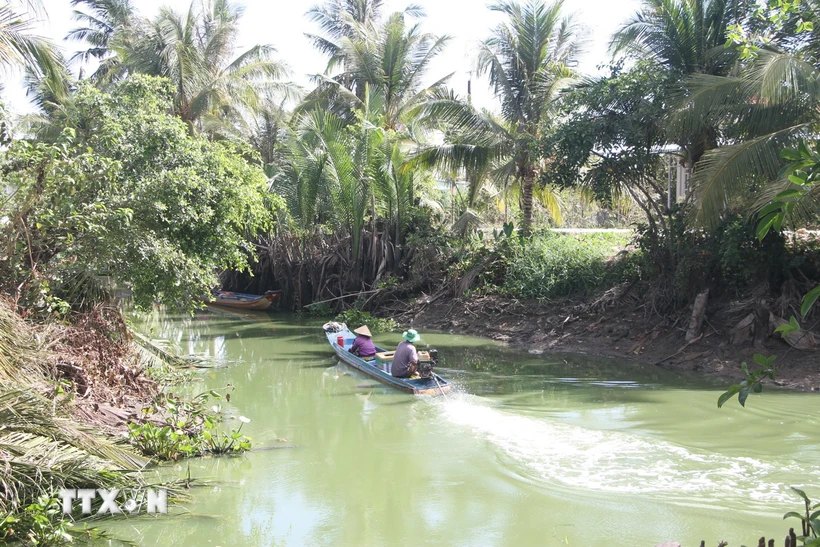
(282, 24)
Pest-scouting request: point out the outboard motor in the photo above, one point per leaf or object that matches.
(427, 360)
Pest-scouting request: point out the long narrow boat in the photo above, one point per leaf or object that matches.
(380, 371)
(243, 301)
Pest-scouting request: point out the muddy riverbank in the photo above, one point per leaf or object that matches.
(623, 330)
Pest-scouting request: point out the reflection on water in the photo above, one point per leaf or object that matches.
(532, 450)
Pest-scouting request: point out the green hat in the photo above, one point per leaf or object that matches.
(411, 336)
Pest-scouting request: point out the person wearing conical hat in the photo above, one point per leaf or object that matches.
(363, 344)
(406, 357)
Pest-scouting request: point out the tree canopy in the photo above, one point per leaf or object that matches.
(126, 191)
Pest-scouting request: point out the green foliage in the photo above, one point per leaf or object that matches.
(354, 318)
(771, 104)
(743, 259)
(338, 172)
(535, 35)
(319, 309)
(809, 300)
(41, 523)
(506, 231)
(390, 58)
(214, 85)
(161, 442)
(754, 380)
(761, 24)
(727, 258)
(802, 176)
(553, 265)
(344, 157)
(20, 48)
(44, 451)
(610, 134)
(220, 442)
(428, 250)
(687, 36)
(809, 520)
(388, 282)
(176, 428)
(127, 192)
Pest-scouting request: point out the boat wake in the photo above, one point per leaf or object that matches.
(615, 461)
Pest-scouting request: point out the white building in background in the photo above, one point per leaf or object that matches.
(450, 186)
(678, 174)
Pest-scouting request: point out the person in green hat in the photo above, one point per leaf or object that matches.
(406, 358)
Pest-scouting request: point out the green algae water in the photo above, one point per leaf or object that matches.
(531, 450)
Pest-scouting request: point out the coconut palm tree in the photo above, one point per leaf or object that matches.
(330, 173)
(101, 22)
(687, 36)
(20, 49)
(528, 60)
(390, 59)
(733, 123)
(195, 50)
(266, 132)
(337, 19)
(338, 174)
(771, 105)
(341, 19)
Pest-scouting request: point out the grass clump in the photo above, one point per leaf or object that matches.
(553, 265)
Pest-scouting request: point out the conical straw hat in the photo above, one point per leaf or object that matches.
(363, 330)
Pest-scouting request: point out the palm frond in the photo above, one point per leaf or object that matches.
(705, 100)
(466, 223)
(725, 175)
(43, 452)
(19, 349)
(551, 202)
(21, 49)
(781, 78)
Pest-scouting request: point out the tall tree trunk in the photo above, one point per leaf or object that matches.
(374, 255)
(526, 200)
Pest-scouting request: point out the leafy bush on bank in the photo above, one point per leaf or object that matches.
(678, 262)
(552, 265)
(126, 191)
(726, 259)
(355, 318)
(547, 265)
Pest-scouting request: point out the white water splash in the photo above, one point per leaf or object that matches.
(613, 461)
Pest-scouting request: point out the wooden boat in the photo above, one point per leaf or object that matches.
(243, 301)
(380, 370)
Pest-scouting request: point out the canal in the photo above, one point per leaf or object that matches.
(529, 450)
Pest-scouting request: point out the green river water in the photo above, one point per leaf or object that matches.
(531, 450)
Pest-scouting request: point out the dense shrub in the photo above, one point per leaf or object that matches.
(728, 258)
(126, 191)
(355, 318)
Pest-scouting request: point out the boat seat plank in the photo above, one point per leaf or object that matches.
(384, 356)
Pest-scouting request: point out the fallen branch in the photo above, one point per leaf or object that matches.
(340, 297)
(686, 345)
